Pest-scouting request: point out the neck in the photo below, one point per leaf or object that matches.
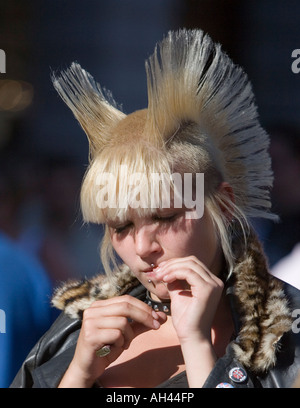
(159, 305)
(223, 327)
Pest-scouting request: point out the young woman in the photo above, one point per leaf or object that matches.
(192, 303)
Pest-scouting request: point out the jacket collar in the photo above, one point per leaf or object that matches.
(259, 306)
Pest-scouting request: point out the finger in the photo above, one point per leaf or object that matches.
(125, 298)
(144, 315)
(112, 337)
(182, 275)
(118, 323)
(196, 281)
(190, 260)
(128, 330)
(191, 263)
(181, 260)
(140, 328)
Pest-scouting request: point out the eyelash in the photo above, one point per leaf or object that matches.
(164, 219)
(119, 230)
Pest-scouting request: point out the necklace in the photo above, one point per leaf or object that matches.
(159, 306)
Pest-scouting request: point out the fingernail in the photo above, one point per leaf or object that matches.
(156, 324)
(155, 315)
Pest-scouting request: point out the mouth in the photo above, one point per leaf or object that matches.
(150, 272)
(149, 269)
(150, 275)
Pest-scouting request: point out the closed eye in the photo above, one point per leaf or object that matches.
(122, 228)
(119, 229)
(167, 218)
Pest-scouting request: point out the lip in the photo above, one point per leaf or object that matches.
(150, 273)
(150, 269)
(147, 270)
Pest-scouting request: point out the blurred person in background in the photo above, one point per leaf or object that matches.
(42, 243)
(25, 288)
(40, 212)
(280, 238)
(51, 227)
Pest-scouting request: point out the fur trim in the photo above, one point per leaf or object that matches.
(73, 297)
(262, 306)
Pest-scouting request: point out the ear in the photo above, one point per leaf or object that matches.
(227, 200)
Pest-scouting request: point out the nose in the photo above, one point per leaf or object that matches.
(146, 241)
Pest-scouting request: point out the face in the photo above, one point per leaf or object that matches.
(142, 241)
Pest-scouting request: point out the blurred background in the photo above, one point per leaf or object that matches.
(44, 152)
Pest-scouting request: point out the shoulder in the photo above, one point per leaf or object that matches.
(287, 367)
(58, 342)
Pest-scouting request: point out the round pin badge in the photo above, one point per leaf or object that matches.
(224, 385)
(237, 375)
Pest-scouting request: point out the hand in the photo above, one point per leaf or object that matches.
(195, 293)
(107, 322)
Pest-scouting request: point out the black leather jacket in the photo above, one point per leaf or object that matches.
(46, 363)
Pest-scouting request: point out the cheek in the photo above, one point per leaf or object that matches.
(205, 247)
(202, 241)
(122, 248)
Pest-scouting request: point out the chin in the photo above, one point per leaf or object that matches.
(159, 289)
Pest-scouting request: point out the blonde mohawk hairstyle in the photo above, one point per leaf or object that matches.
(190, 81)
